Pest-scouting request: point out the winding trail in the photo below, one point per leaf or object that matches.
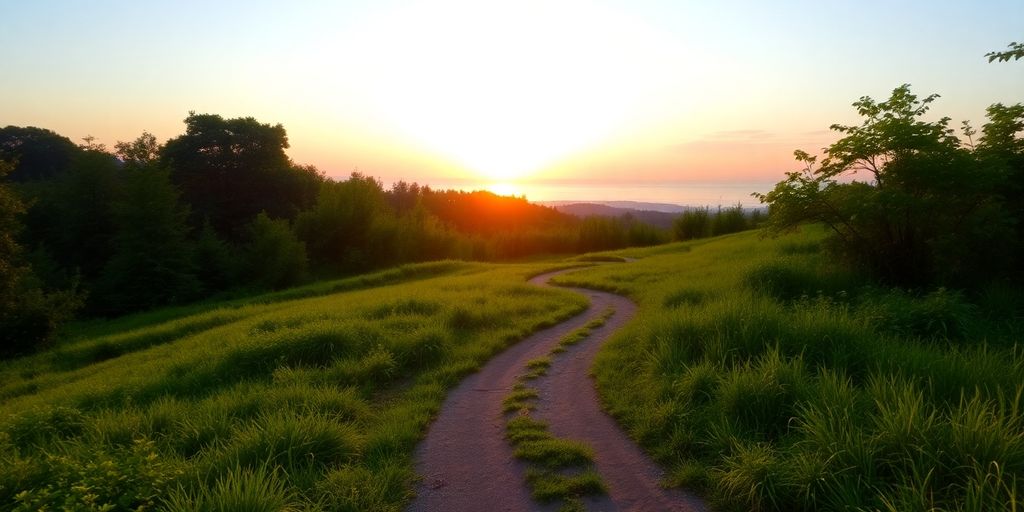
(466, 463)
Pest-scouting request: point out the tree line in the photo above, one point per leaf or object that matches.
(220, 209)
(704, 222)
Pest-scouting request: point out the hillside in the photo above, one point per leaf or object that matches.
(758, 375)
(767, 378)
(313, 397)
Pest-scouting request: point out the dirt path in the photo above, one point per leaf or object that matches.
(466, 463)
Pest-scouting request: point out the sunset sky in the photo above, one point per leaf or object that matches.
(622, 97)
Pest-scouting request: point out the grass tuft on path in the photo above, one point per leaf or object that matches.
(560, 469)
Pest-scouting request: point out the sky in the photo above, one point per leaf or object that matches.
(632, 100)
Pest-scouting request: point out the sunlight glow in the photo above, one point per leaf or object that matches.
(505, 189)
(505, 90)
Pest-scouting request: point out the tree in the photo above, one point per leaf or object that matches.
(1002, 148)
(231, 169)
(695, 223)
(275, 257)
(152, 260)
(218, 267)
(38, 153)
(72, 217)
(28, 316)
(142, 151)
(902, 197)
(338, 228)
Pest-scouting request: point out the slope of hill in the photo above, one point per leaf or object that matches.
(760, 372)
(756, 372)
(304, 400)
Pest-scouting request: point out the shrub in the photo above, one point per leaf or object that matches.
(275, 258)
(692, 224)
(87, 478)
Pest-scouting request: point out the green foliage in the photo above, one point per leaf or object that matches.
(229, 170)
(152, 262)
(217, 267)
(602, 233)
(135, 477)
(729, 220)
(790, 279)
(702, 222)
(695, 223)
(274, 257)
(72, 216)
(339, 229)
(38, 153)
(258, 489)
(140, 153)
(1015, 52)
(28, 315)
(922, 208)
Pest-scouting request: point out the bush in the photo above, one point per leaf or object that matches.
(28, 315)
(275, 258)
(702, 223)
(729, 220)
(692, 224)
(941, 314)
(133, 478)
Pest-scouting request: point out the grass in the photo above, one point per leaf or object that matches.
(560, 469)
(756, 372)
(308, 399)
(764, 377)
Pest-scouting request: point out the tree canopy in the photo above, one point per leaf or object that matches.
(229, 170)
(906, 199)
(37, 153)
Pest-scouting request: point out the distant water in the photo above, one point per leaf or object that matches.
(689, 194)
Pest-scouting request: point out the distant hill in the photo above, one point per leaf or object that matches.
(624, 205)
(661, 219)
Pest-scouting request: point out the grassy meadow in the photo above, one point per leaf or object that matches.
(756, 372)
(766, 379)
(308, 399)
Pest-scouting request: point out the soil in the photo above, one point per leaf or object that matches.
(467, 465)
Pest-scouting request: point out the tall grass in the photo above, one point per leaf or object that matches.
(307, 399)
(769, 380)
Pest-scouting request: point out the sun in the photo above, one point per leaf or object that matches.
(504, 90)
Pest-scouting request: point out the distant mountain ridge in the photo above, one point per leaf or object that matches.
(623, 205)
(659, 218)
